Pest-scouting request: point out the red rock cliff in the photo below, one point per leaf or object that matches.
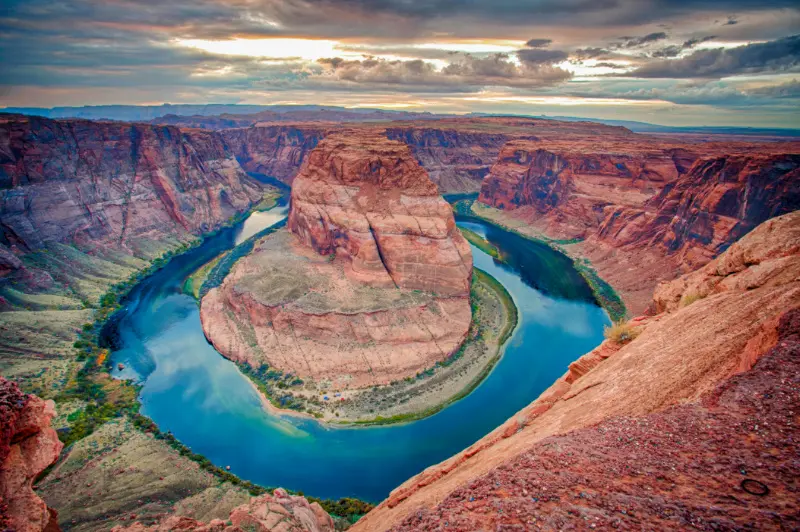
(646, 210)
(659, 432)
(28, 445)
(371, 286)
(719, 200)
(276, 151)
(365, 196)
(457, 161)
(112, 182)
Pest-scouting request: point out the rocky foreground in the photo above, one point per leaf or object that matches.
(608, 443)
(279, 512)
(372, 284)
(28, 445)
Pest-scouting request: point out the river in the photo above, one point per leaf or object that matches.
(209, 405)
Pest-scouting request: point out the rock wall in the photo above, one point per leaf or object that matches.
(719, 200)
(111, 183)
(276, 151)
(646, 210)
(364, 196)
(727, 316)
(28, 445)
(457, 161)
(565, 187)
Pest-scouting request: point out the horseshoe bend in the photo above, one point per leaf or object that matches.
(370, 283)
(329, 319)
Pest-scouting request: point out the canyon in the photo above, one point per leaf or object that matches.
(370, 284)
(706, 362)
(641, 212)
(113, 185)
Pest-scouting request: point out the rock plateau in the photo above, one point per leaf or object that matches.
(371, 285)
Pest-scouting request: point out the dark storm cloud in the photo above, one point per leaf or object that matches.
(698, 40)
(574, 12)
(131, 43)
(538, 43)
(782, 55)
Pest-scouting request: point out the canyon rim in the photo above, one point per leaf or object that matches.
(443, 265)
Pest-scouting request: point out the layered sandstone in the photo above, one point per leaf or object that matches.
(646, 210)
(279, 512)
(733, 311)
(28, 445)
(457, 161)
(112, 184)
(699, 466)
(371, 285)
(366, 198)
(301, 313)
(274, 150)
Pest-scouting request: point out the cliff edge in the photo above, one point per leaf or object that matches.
(714, 324)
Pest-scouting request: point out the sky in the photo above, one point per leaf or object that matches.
(672, 62)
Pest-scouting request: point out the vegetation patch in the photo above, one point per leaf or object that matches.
(195, 281)
(479, 242)
(605, 294)
(223, 267)
(620, 332)
(690, 298)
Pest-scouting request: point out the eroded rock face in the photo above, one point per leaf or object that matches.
(28, 445)
(457, 161)
(646, 211)
(276, 151)
(566, 185)
(744, 304)
(717, 202)
(365, 197)
(279, 512)
(112, 183)
(372, 284)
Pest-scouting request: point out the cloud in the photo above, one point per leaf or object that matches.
(635, 42)
(465, 75)
(536, 56)
(782, 55)
(676, 50)
(591, 53)
(538, 43)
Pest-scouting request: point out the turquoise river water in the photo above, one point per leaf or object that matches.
(207, 403)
